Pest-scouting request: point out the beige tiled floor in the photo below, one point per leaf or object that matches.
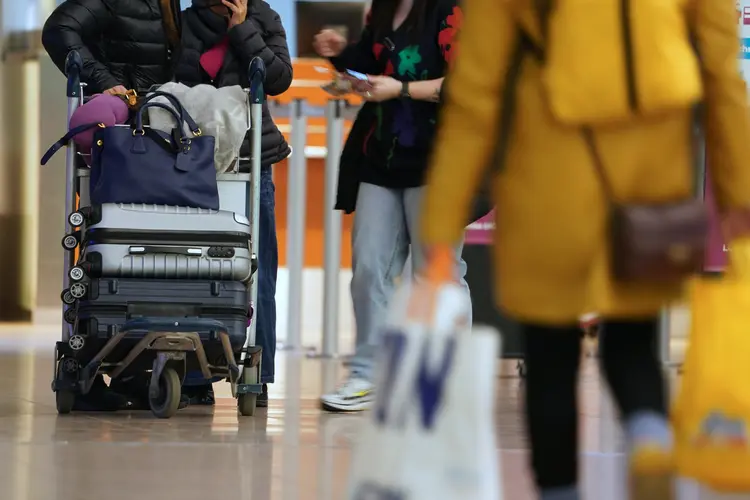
(289, 452)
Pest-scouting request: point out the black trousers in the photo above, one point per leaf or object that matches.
(628, 354)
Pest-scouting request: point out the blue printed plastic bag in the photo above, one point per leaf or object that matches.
(431, 434)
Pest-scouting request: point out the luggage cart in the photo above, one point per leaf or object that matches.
(170, 339)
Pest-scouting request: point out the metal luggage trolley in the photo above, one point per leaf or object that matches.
(169, 340)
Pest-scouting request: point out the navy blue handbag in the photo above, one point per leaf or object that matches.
(138, 164)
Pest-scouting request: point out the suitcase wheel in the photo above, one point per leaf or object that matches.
(67, 297)
(167, 402)
(70, 315)
(76, 219)
(78, 290)
(76, 273)
(70, 242)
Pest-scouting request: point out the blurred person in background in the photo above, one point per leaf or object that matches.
(124, 44)
(552, 235)
(219, 39)
(405, 49)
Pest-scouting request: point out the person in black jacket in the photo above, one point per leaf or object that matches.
(219, 39)
(124, 44)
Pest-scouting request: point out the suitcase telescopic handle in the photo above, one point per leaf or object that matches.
(256, 74)
(73, 68)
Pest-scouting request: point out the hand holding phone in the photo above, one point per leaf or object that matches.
(359, 81)
(357, 75)
(237, 11)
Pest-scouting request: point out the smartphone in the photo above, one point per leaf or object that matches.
(357, 75)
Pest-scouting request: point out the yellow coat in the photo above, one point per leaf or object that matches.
(550, 242)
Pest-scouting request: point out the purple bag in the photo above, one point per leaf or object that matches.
(108, 110)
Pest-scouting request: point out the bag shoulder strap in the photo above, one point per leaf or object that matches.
(64, 140)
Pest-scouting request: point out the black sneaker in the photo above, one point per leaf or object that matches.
(262, 401)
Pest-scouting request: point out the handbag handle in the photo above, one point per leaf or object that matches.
(138, 127)
(194, 128)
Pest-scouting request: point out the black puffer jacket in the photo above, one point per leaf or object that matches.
(261, 35)
(122, 42)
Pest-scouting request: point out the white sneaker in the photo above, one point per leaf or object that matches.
(353, 395)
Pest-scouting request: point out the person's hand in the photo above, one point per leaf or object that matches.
(329, 43)
(116, 90)
(382, 88)
(238, 8)
(438, 272)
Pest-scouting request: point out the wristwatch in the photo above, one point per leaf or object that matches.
(405, 94)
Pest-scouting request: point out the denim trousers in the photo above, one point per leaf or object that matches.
(384, 236)
(268, 266)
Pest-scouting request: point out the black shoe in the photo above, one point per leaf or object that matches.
(135, 390)
(262, 401)
(101, 398)
(199, 395)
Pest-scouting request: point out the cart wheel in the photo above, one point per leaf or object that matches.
(76, 219)
(246, 403)
(67, 298)
(70, 242)
(64, 400)
(78, 290)
(170, 390)
(76, 273)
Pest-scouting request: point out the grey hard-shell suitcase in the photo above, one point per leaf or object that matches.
(166, 242)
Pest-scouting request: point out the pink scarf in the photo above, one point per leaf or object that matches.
(213, 58)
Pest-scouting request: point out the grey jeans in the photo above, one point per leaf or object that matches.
(386, 228)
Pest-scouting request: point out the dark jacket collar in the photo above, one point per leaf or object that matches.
(206, 26)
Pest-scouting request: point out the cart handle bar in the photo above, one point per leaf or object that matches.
(256, 74)
(73, 68)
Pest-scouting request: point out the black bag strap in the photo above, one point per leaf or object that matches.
(64, 140)
(176, 140)
(194, 128)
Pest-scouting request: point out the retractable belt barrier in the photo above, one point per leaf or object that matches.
(336, 112)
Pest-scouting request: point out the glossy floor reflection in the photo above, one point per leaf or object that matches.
(289, 452)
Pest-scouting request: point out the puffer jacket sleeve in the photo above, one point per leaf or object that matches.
(74, 25)
(469, 120)
(264, 36)
(727, 113)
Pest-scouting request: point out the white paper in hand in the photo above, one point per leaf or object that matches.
(431, 434)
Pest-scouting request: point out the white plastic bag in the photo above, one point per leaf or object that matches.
(431, 434)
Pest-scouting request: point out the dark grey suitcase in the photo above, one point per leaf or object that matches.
(111, 302)
(166, 242)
